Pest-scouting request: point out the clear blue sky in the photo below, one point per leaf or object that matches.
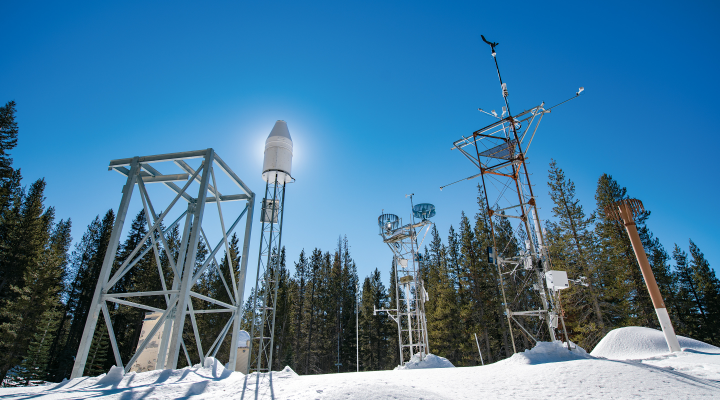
(374, 94)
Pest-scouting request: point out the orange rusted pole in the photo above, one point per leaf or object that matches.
(625, 210)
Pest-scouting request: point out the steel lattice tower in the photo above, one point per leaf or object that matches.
(184, 269)
(265, 299)
(410, 294)
(500, 157)
(276, 173)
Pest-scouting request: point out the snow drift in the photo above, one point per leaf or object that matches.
(548, 370)
(547, 352)
(429, 361)
(634, 342)
(113, 377)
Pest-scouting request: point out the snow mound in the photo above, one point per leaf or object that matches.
(634, 342)
(113, 377)
(547, 352)
(286, 372)
(217, 370)
(429, 361)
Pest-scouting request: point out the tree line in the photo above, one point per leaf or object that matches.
(46, 287)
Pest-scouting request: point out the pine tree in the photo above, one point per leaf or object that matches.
(393, 336)
(85, 263)
(485, 283)
(707, 289)
(326, 317)
(8, 141)
(11, 202)
(687, 301)
(444, 325)
(375, 340)
(98, 354)
(668, 284)
(625, 296)
(299, 283)
(283, 348)
(36, 362)
(349, 305)
(38, 287)
(43, 349)
(247, 314)
(572, 246)
(25, 237)
(311, 300)
(470, 295)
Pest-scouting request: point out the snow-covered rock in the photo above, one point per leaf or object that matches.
(634, 342)
(547, 352)
(428, 361)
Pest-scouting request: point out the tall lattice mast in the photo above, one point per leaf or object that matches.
(276, 173)
(501, 159)
(410, 294)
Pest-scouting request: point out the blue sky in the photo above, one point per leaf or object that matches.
(374, 94)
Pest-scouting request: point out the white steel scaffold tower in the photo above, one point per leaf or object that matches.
(277, 167)
(182, 267)
(410, 294)
(500, 155)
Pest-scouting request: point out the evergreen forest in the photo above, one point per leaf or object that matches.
(47, 281)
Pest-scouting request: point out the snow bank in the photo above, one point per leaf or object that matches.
(216, 368)
(634, 342)
(547, 352)
(683, 375)
(113, 377)
(429, 361)
(287, 372)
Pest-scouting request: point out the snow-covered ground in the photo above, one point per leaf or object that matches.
(628, 363)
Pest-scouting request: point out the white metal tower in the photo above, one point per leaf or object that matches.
(410, 294)
(277, 167)
(186, 269)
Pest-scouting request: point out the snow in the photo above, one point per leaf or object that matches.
(548, 371)
(648, 346)
(635, 342)
(113, 377)
(429, 361)
(217, 370)
(546, 352)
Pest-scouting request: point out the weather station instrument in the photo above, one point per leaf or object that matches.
(277, 168)
(410, 294)
(499, 152)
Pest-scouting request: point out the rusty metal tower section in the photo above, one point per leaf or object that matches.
(410, 294)
(499, 151)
